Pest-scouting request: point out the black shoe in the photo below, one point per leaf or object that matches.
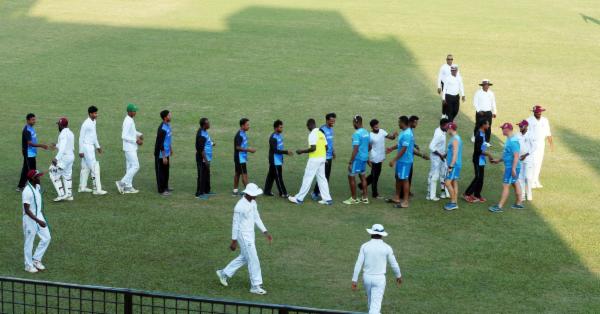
(268, 194)
(284, 195)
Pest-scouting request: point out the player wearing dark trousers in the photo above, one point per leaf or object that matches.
(276, 152)
(473, 192)
(162, 153)
(29, 146)
(451, 107)
(373, 177)
(204, 152)
(484, 115)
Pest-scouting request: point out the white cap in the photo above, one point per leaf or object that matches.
(454, 66)
(253, 190)
(377, 229)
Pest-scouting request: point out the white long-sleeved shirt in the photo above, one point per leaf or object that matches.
(65, 145)
(484, 101)
(527, 144)
(129, 135)
(453, 85)
(438, 142)
(540, 129)
(373, 258)
(87, 134)
(445, 71)
(245, 217)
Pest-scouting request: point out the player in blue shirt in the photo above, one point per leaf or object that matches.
(512, 167)
(327, 129)
(29, 145)
(240, 155)
(402, 163)
(162, 153)
(276, 152)
(358, 161)
(454, 162)
(204, 153)
(480, 152)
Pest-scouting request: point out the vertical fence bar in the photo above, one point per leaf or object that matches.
(128, 303)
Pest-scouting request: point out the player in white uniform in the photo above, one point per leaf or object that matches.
(528, 147)
(61, 170)
(88, 145)
(372, 259)
(437, 153)
(540, 129)
(34, 223)
(131, 140)
(245, 218)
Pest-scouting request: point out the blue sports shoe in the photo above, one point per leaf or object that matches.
(495, 209)
(202, 197)
(315, 197)
(450, 206)
(210, 193)
(517, 206)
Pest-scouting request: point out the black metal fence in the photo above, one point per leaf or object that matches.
(35, 296)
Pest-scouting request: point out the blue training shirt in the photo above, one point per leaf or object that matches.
(278, 158)
(360, 138)
(511, 147)
(31, 151)
(407, 139)
(458, 163)
(241, 140)
(208, 145)
(167, 143)
(329, 134)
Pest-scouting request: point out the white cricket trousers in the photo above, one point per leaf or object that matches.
(314, 167)
(538, 158)
(30, 230)
(526, 180)
(436, 173)
(375, 288)
(248, 255)
(132, 165)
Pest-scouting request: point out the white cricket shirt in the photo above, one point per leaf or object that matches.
(373, 258)
(129, 135)
(377, 141)
(484, 101)
(245, 217)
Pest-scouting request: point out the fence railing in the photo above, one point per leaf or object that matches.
(35, 296)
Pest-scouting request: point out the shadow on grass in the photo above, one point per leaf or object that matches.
(587, 19)
(294, 63)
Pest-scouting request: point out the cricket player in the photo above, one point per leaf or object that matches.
(240, 155)
(528, 147)
(315, 167)
(61, 170)
(131, 140)
(327, 129)
(540, 129)
(34, 223)
(437, 155)
(204, 155)
(512, 167)
(276, 152)
(402, 163)
(88, 145)
(358, 162)
(29, 146)
(372, 259)
(480, 152)
(245, 218)
(413, 122)
(454, 163)
(163, 150)
(377, 139)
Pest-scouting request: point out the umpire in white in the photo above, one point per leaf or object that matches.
(245, 217)
(373, 258)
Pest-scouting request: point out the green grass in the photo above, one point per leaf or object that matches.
(267, 60)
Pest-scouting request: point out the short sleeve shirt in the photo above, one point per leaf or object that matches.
(407, 140)
(31, 195)
(360, 138)
(377, 141)
(510, 148)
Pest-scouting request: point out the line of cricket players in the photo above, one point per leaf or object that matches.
(522, 157)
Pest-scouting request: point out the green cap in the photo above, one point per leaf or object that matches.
(132, 108)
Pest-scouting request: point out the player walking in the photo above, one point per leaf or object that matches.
(61, 170)
(512, 167)
(327, 129)
(88, 146)
(454, 163)
(34, 223)
(528, 147)
(437, 155)
(131, 140)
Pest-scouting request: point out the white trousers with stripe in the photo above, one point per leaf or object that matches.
(30, 230)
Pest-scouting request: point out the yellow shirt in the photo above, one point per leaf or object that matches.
(317, 138)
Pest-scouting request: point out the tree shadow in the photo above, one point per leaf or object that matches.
(587, 19)
(293, 64)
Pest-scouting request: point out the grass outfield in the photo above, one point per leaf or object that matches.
(267, 60)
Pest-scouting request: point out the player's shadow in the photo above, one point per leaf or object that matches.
(290, 64)
(587, 152)
(589, 19)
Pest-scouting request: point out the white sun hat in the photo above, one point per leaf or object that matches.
(253, 190)
(377, 229)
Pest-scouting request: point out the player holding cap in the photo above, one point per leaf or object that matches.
(61, 170)
(454, 163)
(131, 140)
(34, 223)
(88, 145)
(528, 147)
(358, 162)
(245, 217)
(372, 259)
(512, 166)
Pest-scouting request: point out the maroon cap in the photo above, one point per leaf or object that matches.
(523, 123)
(63, 121)
(452, 125)
(34, 174)
(538, 108)
(506, 125)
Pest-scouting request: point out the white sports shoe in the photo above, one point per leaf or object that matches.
(293, 200)
(473, 138)
(434, 199)
(130, 190)
(31, 269)
(84, 190)
(120, 186)
(39, 265)
(222, 278)
(60, 198)
(69, 198)
(101, 192)
(258, 290)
